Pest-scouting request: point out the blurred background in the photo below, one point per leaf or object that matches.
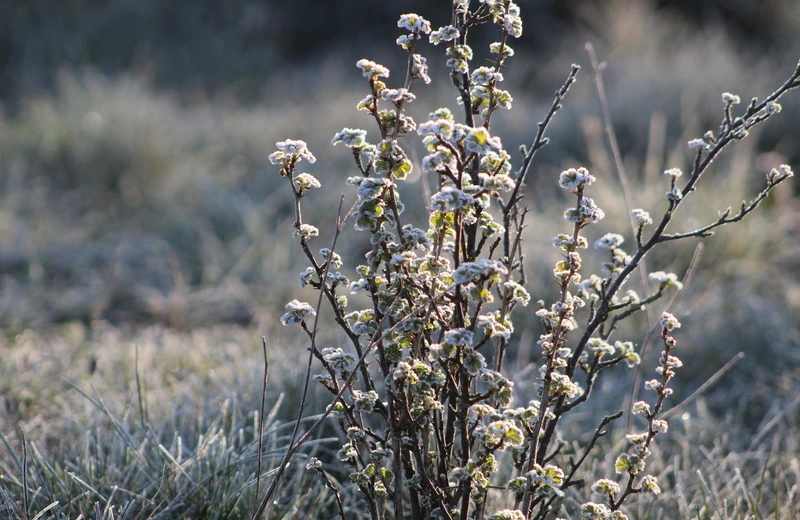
(135, 187)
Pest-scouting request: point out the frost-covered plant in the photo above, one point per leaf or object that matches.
(420, 392)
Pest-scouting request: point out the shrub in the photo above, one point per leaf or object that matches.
(427, 411)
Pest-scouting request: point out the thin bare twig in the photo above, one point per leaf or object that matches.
(647, 344)
(285, 462)
(705, 386)
(261, 419)
(618, 162)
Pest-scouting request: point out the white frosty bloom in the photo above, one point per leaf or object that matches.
(507, 514)
(298, 311)
(500, 182)
(397, 95)
(450, 199)
(458, 56)
(673, 172)
(698, 143)
(447, 33)
(512, 24)
(439, 127)
(784, 171)
(660, 426)
(493, 326)
(338, 360)
(669, 322)
(405, 40)
(574, 177)
(419, 68)
(674, 194)
(469, 271)
(495, 47)
(483, 75)
(305, 276)
(640, 408)
(372, 70)
(305, 181)
(641, 217)
(773, 107)
(291, 150)
(587, 211)
(414, 23)
(518, 293)
(609, 241)
(665, 279)
(595, 511)
(600, 347)
(306, 231)
(479, 141)
(730, 99)
(605, 486)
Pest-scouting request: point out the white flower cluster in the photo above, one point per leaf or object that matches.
(450, 199)
(447, 33)
(587, 211)
(290, 152)
(775, 175)
(641, 217)
(298, 311)
(609, 241)
(507, 514)
(482, 269)
(413, 22)
(665, 279)
(730, 99)
(351, 137)
(304, 182)
(479, 141)
(372, 70)
(575, 177)
(668, 321)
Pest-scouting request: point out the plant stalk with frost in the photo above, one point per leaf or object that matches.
(425, 409)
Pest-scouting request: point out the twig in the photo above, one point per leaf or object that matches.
(598, 432)
(26, 504)
(285, 462)
(772, 422)
(261, 419)
(705, 386)
(139, 389)
(725, 217)
(620, 165)
(647, 344)
(538, 142)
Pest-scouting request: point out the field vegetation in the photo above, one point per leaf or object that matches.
(146, 247)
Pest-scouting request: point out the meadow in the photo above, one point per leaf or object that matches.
(146, 247)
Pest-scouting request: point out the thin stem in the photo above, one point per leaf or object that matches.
(261, 419)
